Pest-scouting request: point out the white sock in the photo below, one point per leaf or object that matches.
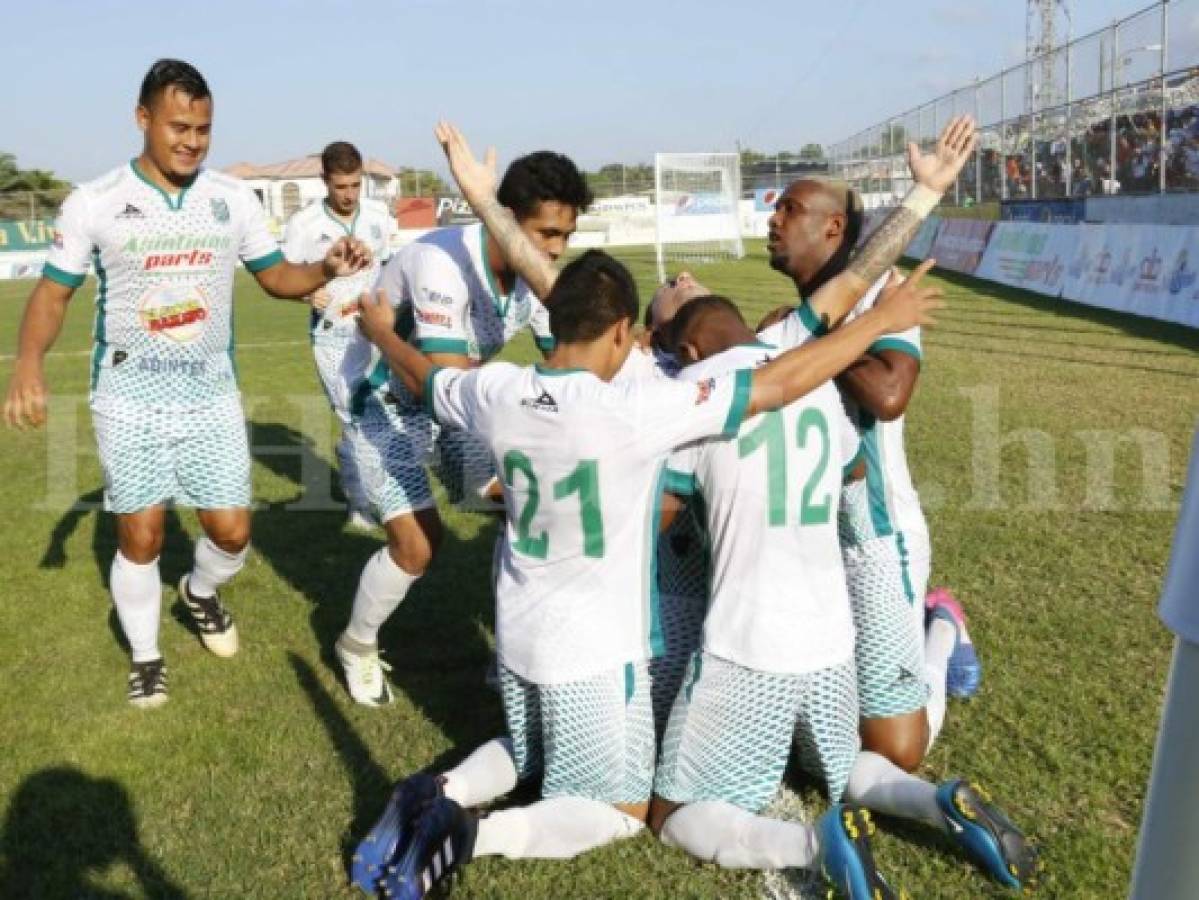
(557, 828)
(213, 567)
(727, 835)
(938, 645)
(381, 589)
(878, 784)
(487, 773)
(137, 595)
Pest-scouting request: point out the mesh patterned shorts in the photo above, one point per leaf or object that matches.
(592, 738)
(198, 457)
(392, 443)
(889, 621)
(731, 731)
(682, 563)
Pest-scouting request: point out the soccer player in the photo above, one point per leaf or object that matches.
(571, 620)
(343, 359)
(773, 660)
(902, 672)
(164, 236)
(464, 302)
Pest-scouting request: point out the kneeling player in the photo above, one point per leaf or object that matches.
(778, 641)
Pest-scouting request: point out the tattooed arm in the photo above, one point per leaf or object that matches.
(933, 173)
(478, 183)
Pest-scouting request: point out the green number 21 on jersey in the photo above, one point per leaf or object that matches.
(770, 433)
(584, 481)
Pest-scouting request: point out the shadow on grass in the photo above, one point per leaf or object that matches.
(436, 642)
(61, 827)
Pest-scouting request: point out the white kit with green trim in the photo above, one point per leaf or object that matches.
(165, 264)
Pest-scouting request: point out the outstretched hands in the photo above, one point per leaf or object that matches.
(476, 179)
(939, 169)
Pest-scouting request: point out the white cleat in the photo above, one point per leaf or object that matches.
(364, 677)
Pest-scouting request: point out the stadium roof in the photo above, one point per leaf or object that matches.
(304, 167)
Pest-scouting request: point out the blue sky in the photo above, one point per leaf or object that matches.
(608, 81)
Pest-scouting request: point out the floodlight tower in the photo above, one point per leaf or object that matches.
(1047, 26)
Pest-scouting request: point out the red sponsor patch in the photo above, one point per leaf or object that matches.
(430, 317)
(703, 390)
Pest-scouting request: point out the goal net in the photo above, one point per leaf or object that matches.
(697, 201)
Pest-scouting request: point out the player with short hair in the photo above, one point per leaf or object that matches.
(343, 359)
(461, 303)
(424, 832)
(164, 236)
(773, 661)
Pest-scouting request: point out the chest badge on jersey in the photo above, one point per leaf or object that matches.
(220, 209)
(175, 311)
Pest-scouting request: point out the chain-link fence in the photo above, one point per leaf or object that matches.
(1114, 112)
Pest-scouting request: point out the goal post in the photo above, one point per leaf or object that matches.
(697, 199)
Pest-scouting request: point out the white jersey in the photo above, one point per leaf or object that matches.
(444, 283)
(307, 238)
(894, 503)
(164, 307)
(583, 466)
(642, 363)
(779, 602)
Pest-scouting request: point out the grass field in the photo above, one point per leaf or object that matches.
(259, 774)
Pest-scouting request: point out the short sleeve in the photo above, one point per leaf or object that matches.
(391, 280)
(905, 342)
(293, 241)
(71, 252)
(671, 413)
(257, 248)
(539, 324)
(389, 232)
(458, 397)
(440, 301)
(795, 330)
(680, 470)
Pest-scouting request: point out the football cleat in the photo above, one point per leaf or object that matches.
(148, 683)
(964, 672)
(364, 677)
(443, 840)
(218, 634)
(361, 521)
(390, 835)
(845, 858)
(987, 835)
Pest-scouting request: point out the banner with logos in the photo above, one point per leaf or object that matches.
(1043, 210)
(960, 243)
(1029, 255)
(1147, 270)
(31, 234)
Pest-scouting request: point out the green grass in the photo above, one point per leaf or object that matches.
(257, 776)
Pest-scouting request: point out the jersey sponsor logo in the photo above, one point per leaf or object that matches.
(439, 298)
(220, 209)
(703, 390)
(434, 318)
(196, 259)
(176, 243)
(161, 365)
(324, 239)
(131, 212)
(178, 312)
(543, 403)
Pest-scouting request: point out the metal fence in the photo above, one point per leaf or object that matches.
(1114, 112)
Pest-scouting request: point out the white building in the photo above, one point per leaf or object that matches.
(289, 186)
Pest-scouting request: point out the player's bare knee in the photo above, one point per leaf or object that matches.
(414, 540)
(140, 538)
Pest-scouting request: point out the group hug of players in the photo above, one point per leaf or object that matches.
(712, 559)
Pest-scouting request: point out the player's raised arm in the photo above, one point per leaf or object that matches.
(376, 318)
(299, 281)
(477, 181)
(25, 404)
(798, 371)
(934, 173)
